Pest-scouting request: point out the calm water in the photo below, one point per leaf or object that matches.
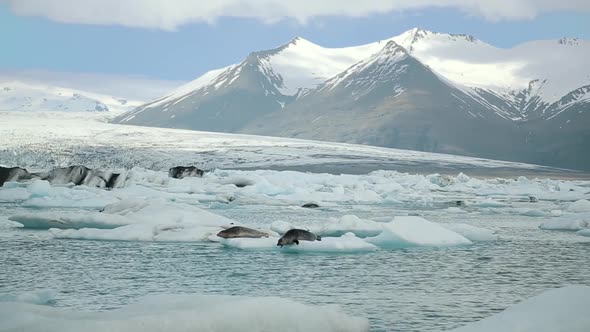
(421, 289)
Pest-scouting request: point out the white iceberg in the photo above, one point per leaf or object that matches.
(348, 224)
(561, 309)
(472, 233)
(184, 313)
(565, 224)
(151, 220)
(582, 205)
(404, 232)
(68, 220)
(39, 188)
(347, 243)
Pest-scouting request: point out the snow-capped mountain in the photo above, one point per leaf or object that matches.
(264, 82)
(19, 96)
(391, 99)
(530, 79)
(397, 93)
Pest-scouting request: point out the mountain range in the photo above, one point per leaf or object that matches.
(22, 96)
(421, 90)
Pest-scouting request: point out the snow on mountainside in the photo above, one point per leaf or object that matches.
(265, 81)
(529, 78)
(18, 96)
(524, 81)
(291, 68)
(391, 92)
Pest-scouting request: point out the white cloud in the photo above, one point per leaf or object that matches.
(124, 86)
(169, 14)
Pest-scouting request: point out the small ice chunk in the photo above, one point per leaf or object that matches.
(582, 205)
(584, 232)
(556, 213)
(530, 212)
(405, 232)
(43, 296)
(140, 232)
(346, 243)
(473, 233)
(15, 194)
(489, 203)
(348, 224)
(454, 209)
(561, 309)
(66, 220)
(564, 224)
(39, 188)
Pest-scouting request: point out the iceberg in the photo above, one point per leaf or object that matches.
(472, 233)
(68, 220)
(404, 232)
(347, 243)
(184, 313)
(582, 205)
(561, 309)
(149, 220)
(565, 224)
(348, 224)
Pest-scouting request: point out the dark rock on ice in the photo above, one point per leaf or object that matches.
(180, 172)
(310, 206)
(8, 174)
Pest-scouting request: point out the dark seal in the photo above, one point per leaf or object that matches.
(241, 232)
(296, 235)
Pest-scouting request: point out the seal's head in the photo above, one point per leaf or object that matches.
(287, 240)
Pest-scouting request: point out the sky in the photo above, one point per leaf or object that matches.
(151, 46)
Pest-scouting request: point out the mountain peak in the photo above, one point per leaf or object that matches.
(413, 36)
(568, 41)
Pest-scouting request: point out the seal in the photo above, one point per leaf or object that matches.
(241, 232)
(296, 235)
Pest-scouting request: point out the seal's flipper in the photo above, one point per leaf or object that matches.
(296, 242)
(319, 238)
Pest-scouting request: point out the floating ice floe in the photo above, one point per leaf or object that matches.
(347, 243)
(529, 212)
(562, 309)
(69, 220)
(584, 232)
(184, 313)
(488, 203)
(39, 188)
(454, 209)
(405, 232)
(472, 233)
(152, 220)
(582, 205)
(40, 297)
(348, 224)
(567, 223)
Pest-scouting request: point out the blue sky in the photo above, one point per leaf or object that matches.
(39, 41)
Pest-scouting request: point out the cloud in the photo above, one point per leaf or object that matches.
(125, 86)
(170, 14)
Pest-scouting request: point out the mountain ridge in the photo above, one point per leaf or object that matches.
(508, 88)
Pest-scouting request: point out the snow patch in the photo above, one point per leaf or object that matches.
(561, 309)
(184, 313)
